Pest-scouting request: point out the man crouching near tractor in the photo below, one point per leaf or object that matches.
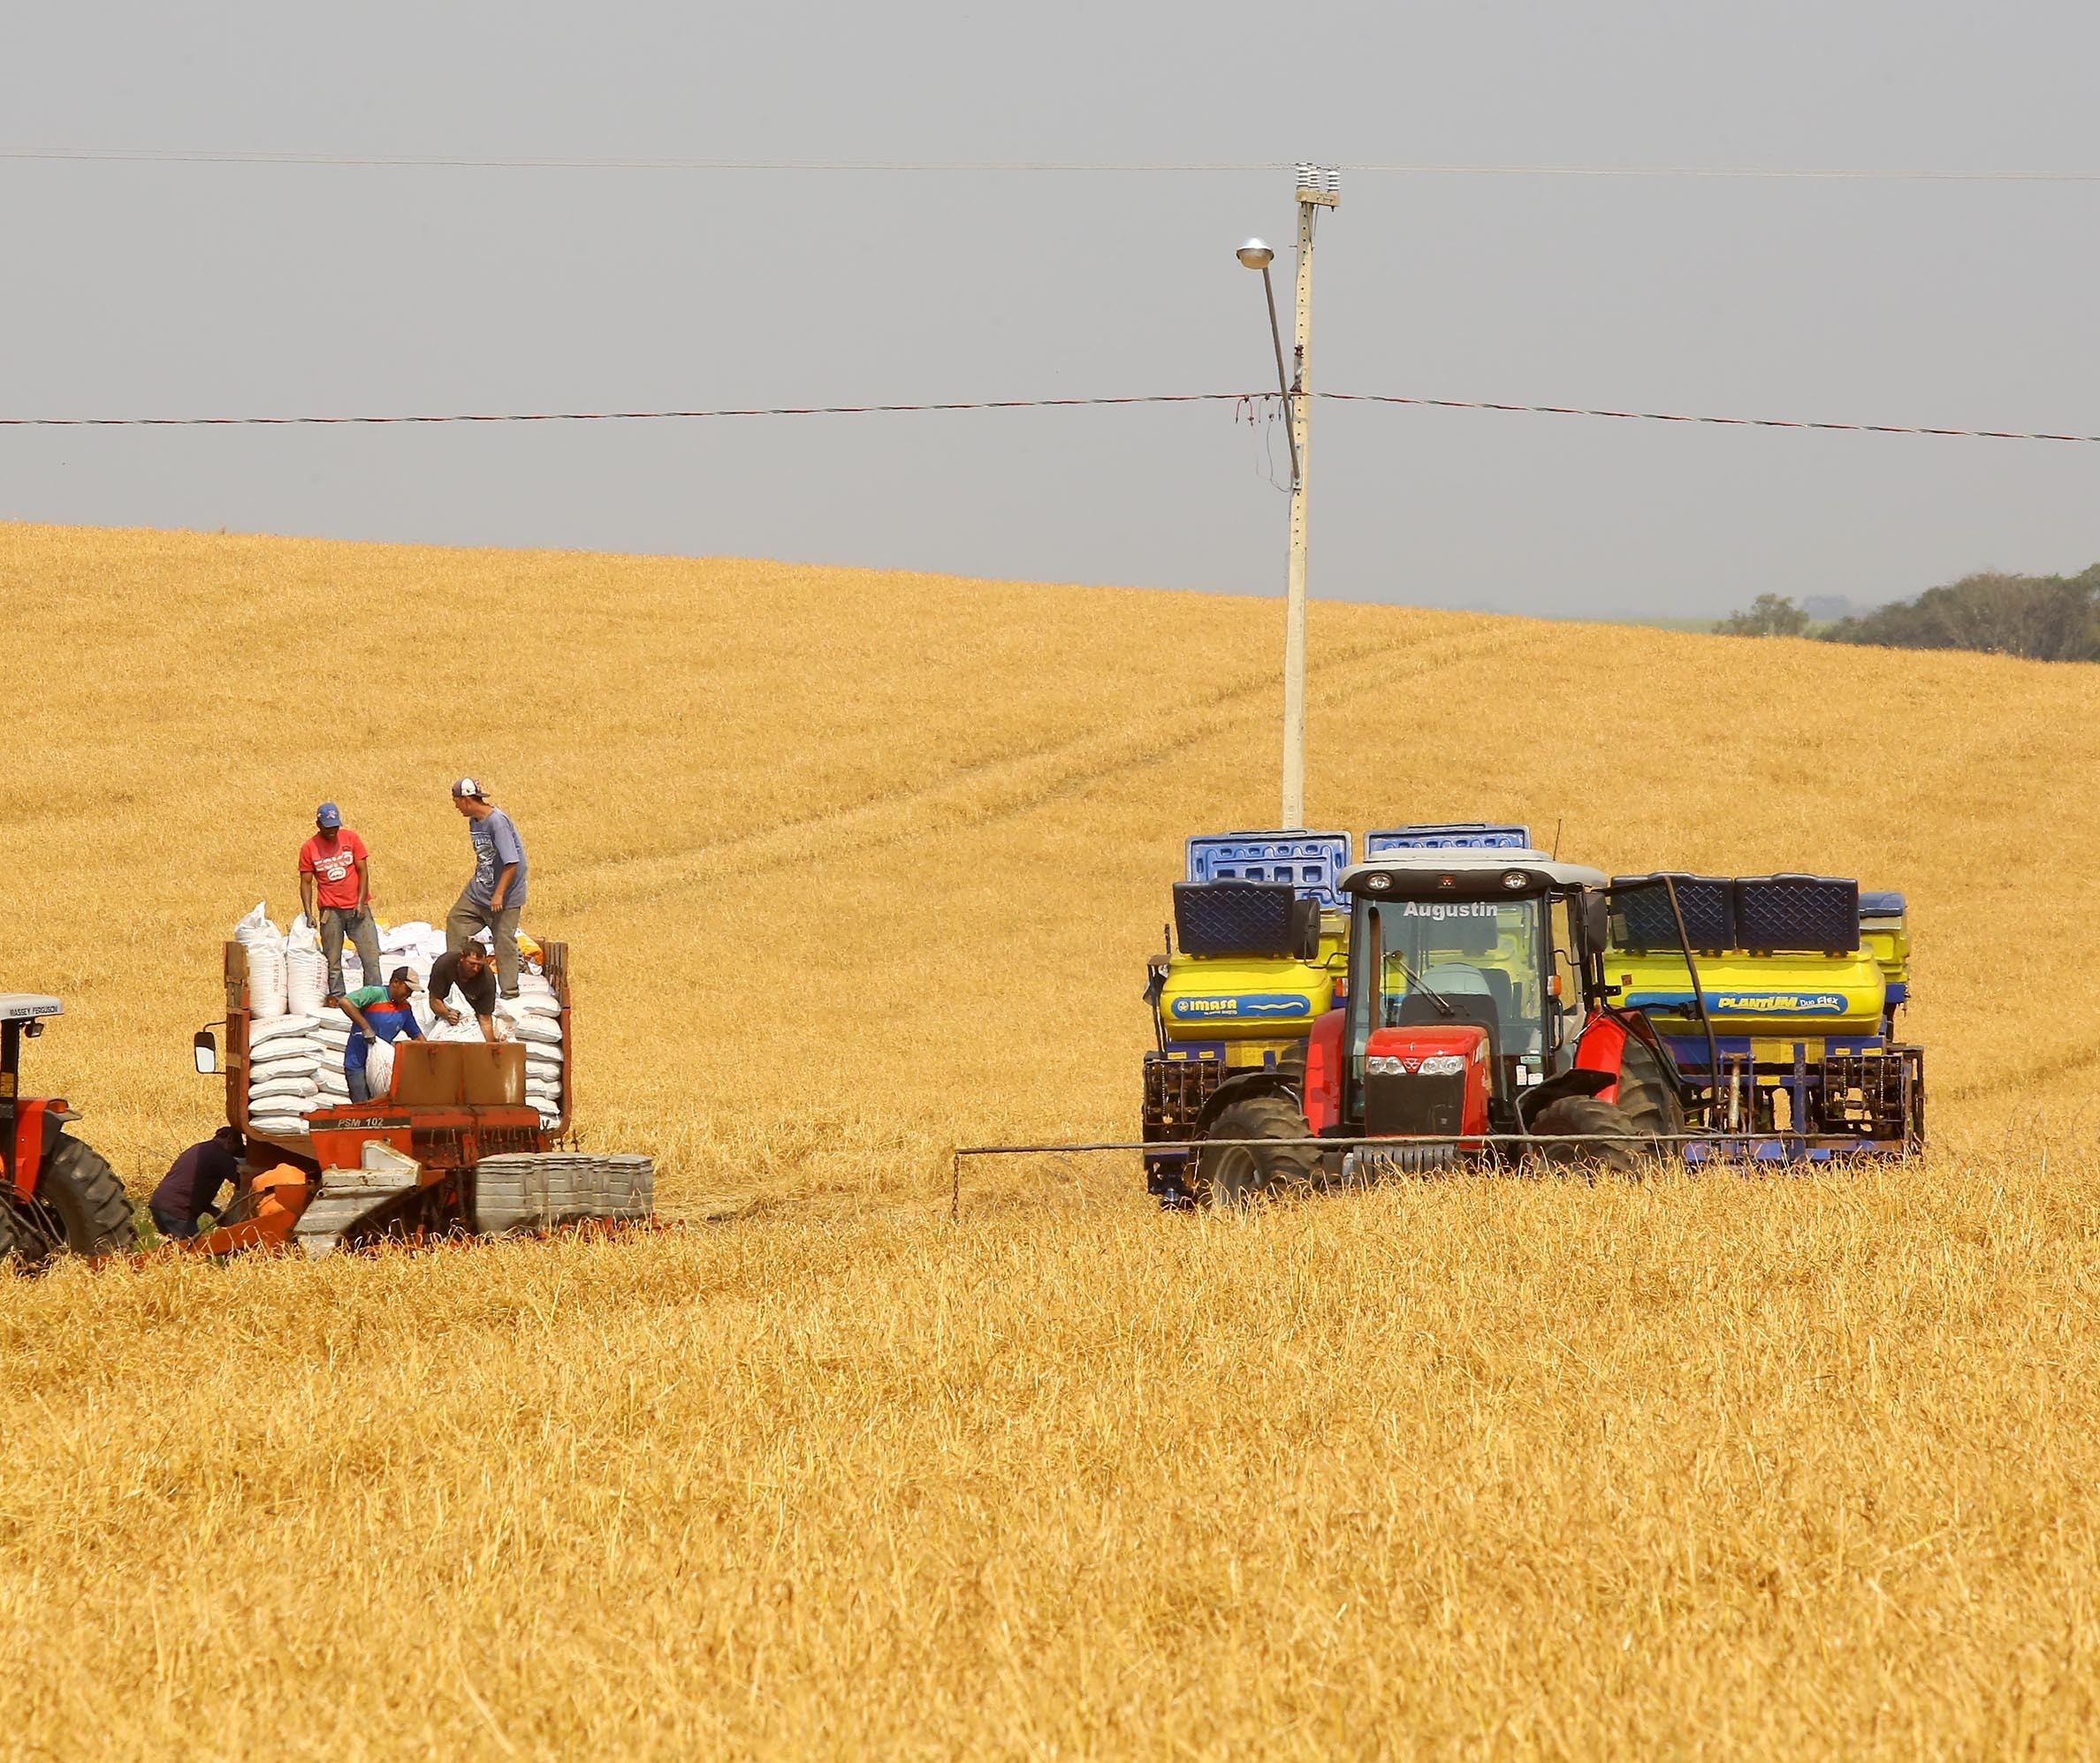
(191, 1187)
(382, 1014)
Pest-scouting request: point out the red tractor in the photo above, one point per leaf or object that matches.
(56, 1193)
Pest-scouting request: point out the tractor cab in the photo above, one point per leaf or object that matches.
(1468, 976)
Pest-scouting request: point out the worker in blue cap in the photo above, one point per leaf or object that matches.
(335, 883)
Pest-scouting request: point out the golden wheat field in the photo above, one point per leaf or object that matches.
(855, 866)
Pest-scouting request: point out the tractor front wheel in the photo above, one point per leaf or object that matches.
(80, 1206)
(1228, 1176)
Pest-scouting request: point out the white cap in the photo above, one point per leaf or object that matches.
(468, 787)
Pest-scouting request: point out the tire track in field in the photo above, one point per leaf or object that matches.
(2013, 1079)
(988, 790)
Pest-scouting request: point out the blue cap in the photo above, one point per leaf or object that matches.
(327, 815)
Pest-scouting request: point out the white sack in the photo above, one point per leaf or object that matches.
(266, 980)
(282, 1025)
(284, 1071)
(298, 1049)
(379, 1063)
(543, 1029)
(306, 983)
(298, 1087)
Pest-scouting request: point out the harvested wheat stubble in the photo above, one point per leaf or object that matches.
(1797, 1465)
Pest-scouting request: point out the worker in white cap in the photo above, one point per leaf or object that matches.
(493, 900)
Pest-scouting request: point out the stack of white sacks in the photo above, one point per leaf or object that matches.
(264, 945)
(296, 1042)
(534, 1017)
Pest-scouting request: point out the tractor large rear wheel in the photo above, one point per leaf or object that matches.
(1228, 1176)
(1647, 1098)
(79, 1207)
(1580, 1132)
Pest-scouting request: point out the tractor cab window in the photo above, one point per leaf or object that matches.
(1432, 950)
(1565, 1001)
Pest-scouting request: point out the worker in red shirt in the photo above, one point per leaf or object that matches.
(333, 864)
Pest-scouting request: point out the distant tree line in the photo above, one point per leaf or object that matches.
(2045, 618)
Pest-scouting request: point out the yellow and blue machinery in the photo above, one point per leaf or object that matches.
(1791, 1023)
(1789, 1028)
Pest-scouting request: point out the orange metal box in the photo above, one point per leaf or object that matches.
(493, 1072)
(426, 1072)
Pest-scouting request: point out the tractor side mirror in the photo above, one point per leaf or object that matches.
(1597, 922)
(204, 1050)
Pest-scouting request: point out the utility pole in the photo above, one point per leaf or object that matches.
(1319, 186)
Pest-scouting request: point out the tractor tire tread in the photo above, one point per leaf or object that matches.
(21, 1245)
(79, 1187)
(1222, 1179)
(1646, 1097)
(1584, 1118)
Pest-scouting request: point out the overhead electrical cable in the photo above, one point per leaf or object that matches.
(143, 156)
(1719, 421)
(621, 415)
(1249, 399)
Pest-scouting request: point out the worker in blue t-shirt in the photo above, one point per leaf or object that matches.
(382, 1014)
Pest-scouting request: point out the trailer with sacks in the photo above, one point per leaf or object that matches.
(1459, 997)
(460, 1136)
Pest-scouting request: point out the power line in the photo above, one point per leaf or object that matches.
(1720, 422)
(618, 415)
(1810, 174)
(480, 161)
(1250, 398)
(1128, 168)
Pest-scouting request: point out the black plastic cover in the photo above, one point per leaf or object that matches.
(1798, 914)
(1241, 918)
(1641, 919)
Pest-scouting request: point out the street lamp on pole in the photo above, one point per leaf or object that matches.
(1319, 186)
(1257, 255)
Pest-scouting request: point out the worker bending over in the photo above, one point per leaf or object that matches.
(382, 1012)
(470, 971)
(493, 900)
(191, 1187)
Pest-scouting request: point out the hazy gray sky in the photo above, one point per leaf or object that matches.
(185, 289)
